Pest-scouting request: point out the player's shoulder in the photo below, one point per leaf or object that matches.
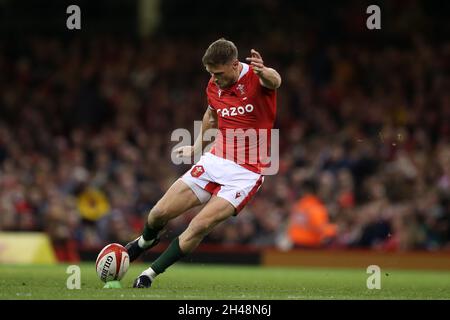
(252, 80)
(248, 72)
(248, 76)
(211, 86)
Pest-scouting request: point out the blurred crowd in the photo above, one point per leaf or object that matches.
(85, 129)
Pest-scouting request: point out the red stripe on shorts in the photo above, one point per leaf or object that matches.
(212, 187)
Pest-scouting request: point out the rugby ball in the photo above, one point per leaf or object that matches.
(112, 262)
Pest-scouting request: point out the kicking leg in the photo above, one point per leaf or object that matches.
(215, 211)
(178, 199)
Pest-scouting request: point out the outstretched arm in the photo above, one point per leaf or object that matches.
(268, 77)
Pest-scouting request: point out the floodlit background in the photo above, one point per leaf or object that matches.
(364, 117)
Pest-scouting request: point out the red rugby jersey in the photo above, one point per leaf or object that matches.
(246, 114)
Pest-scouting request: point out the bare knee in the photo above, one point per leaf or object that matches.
(194, 234)
(158, 217)
(200, 228)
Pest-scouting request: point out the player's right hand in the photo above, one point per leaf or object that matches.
(184, 152)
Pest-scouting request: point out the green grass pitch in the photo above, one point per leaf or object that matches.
(214, 282)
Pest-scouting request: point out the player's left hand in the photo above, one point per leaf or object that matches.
(256, 61)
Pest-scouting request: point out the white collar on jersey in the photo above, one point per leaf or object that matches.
(244, 70)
